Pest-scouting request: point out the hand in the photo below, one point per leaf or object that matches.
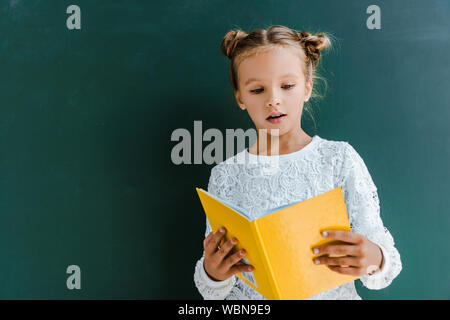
(360, 254)
(221, 263)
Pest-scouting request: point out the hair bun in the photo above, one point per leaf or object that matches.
(230, 42)
(313, 44)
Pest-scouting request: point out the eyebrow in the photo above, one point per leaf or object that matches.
(283, 76)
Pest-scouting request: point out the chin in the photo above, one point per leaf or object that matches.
(272, 130)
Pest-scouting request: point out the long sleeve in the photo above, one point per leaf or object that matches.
(363, 207)
(208, 288)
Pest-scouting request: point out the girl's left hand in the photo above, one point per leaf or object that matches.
(361, 255)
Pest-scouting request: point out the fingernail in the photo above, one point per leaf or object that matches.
(316, 251)
(325, 234)
(221, 230)
(316, 261)
(234, 240)
(251, 269)
(242, 253)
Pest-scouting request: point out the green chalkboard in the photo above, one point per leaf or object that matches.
(86, 118)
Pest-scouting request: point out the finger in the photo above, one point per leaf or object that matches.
(235, 258)
(240, 268)
(207, 239)
(213, 243)
(341, 261)
(340, 249)
(352, 271)
(225, 249)
(206, 242)
(346, 236)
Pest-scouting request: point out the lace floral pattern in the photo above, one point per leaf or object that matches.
(320, 166)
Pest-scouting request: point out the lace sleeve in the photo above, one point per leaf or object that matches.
(208, 288)
(363, 207)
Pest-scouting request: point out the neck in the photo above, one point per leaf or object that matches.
(291, 141)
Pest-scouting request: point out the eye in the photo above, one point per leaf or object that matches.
(289, 86)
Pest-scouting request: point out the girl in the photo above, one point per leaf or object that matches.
(272, 74)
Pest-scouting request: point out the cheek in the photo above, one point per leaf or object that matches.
(300, 95)
(295, 105)
(254, 108)
(256, 113)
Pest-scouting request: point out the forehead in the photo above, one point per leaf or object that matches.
(271, 64)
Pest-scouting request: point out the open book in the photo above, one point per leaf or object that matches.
(279, 243)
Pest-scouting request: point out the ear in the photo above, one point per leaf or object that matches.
(308, 90)
(239, 101)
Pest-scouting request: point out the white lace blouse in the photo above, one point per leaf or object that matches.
(257, 185)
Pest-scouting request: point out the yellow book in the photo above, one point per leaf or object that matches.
(279, 243)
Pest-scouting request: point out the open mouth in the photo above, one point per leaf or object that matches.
(276, 118)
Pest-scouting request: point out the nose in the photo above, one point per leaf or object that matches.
(274, 100)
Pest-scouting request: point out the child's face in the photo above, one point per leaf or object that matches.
(272, 91)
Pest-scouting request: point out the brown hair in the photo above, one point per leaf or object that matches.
(238, 45)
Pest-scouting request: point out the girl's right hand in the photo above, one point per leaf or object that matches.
(218, 263)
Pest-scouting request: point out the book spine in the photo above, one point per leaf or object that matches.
(267, 265)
